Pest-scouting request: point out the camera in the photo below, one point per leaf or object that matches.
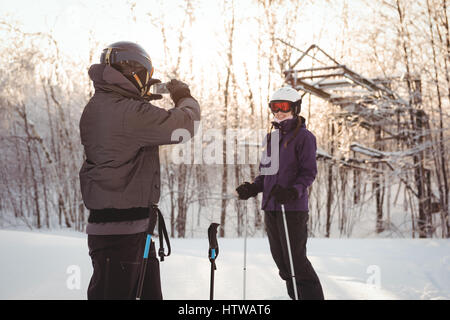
(160, 88)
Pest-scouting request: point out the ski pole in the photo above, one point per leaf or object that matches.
(151, 225)
(289, 252)
(245, 252)
(213, 252)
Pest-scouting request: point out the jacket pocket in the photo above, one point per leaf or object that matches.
(121, 279)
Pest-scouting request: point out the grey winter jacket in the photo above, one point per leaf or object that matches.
(121, 134)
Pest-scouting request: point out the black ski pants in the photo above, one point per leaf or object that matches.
(116, 260)
(308, 283)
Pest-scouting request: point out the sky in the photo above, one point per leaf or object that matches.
(71, 20)
(79, 25)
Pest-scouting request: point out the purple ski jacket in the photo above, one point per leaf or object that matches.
(297, 164)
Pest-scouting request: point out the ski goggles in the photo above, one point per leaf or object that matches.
(114, 55)
(283, 106)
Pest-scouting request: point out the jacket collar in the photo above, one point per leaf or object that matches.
(290, 124)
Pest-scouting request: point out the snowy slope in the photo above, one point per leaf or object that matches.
(38, 265)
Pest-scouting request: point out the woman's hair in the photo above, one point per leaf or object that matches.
(297, 129)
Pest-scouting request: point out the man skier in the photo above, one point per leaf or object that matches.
(121, 132)
(296, 172)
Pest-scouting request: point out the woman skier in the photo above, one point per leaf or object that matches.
(288, 186)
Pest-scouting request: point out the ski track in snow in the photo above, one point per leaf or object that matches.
(35, 266)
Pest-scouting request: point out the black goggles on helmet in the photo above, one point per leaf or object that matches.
(115, 55)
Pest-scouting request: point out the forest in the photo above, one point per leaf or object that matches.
(375, 80)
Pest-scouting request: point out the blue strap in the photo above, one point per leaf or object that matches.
(213, 254)
(147, 245)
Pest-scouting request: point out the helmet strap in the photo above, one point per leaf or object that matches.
(107, 56)
(141, 87)
(297, 106)
(136, 77)
(146, 88)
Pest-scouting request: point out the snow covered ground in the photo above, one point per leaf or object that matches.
(38, 265)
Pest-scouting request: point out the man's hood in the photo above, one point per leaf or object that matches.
(102, 74)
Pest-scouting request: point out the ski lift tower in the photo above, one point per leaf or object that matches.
(372, 105)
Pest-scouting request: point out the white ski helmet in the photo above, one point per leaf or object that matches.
(288, 94)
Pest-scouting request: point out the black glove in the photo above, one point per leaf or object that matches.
(247, 190)
(178, 90)
(283, 195)
(150, 96)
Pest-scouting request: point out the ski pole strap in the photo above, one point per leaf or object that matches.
(163, 235)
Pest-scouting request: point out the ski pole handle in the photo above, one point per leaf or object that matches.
(143, 267)
(213, 252)
(147, 245)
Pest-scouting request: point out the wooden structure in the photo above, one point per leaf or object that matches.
(372, 104)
